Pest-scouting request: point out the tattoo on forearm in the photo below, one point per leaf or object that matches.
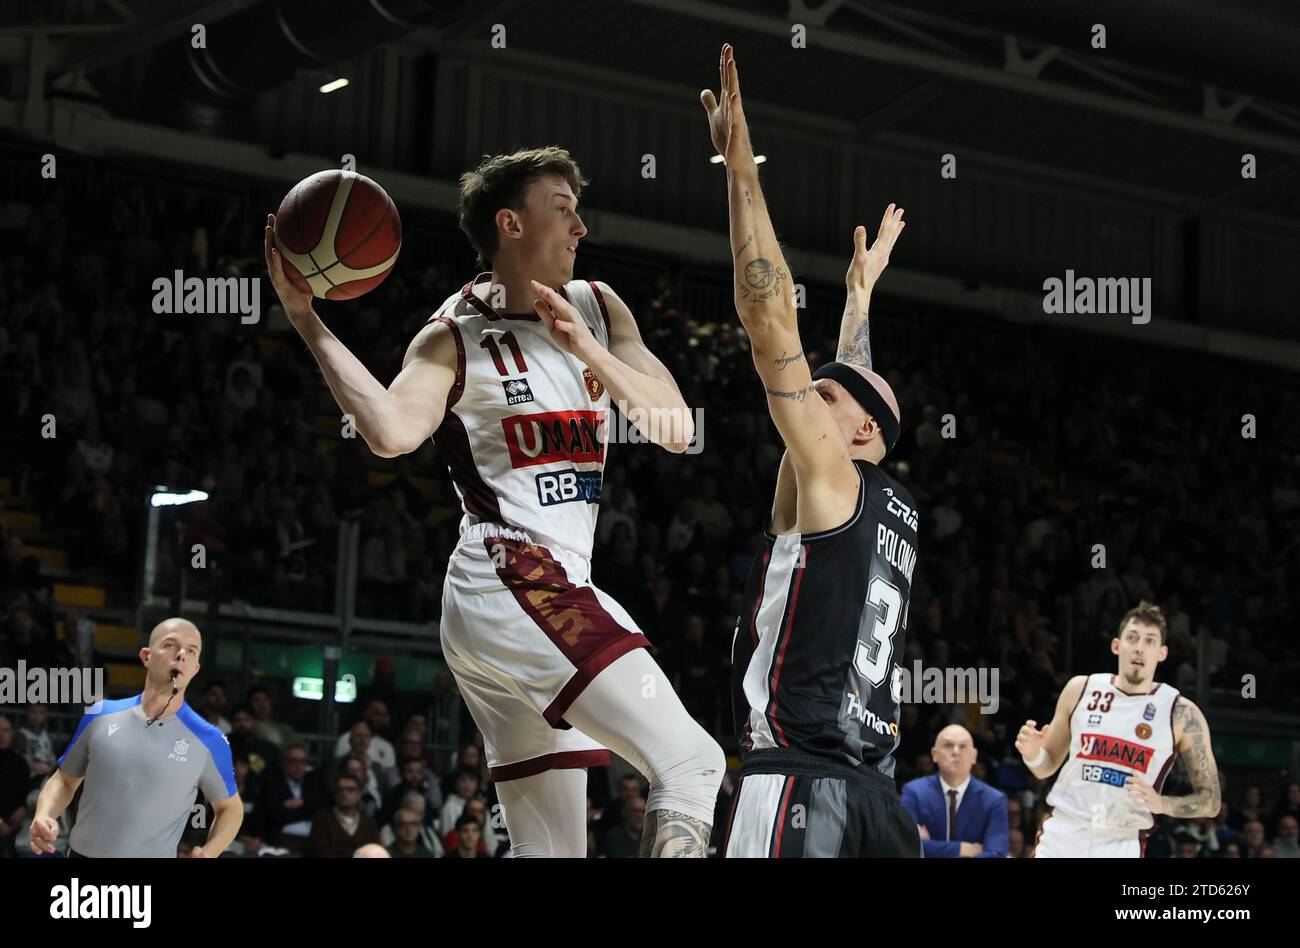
(783, 360)
(798, 396)
(671, 835)
(857, 350)
(760, 280)
(743, 247)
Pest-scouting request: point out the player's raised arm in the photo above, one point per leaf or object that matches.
(1044, 749)
(764, 297)
(394, 420)
(864, 270)
(1192, 738)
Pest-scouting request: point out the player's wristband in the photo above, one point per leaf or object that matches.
(1039, 759)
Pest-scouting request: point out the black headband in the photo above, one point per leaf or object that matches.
(866, 395)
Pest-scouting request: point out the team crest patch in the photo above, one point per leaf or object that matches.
(1150, 713)
(182, 747)
(1143, 731)
(1094, 720)
(517, 391)
(595, 387)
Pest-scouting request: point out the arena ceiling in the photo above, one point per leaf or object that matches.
(1023, 89)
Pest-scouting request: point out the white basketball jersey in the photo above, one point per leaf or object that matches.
(524, 433)
(1114, 735)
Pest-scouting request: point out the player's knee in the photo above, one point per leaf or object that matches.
(696, 768)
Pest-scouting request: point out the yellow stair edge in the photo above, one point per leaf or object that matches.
(124, 676)
(116, 636)
(69, 595)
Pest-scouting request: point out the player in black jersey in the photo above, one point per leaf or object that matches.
(815, 653)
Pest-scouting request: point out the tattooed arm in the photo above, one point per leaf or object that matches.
(671, 835)
(764, 298)
(864, 271)
(1192, 738)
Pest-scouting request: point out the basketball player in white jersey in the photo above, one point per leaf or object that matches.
(1115, 737)
(513, 378)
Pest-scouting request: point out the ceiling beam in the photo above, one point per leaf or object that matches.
(157, 21)
(978, 73)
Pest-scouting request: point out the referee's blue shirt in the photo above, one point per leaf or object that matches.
(141, 781)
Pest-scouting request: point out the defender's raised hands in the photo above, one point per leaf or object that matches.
(727, 126)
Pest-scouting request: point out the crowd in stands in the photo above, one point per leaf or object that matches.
(1060, 479)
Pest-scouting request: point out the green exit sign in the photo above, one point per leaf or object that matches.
(313, 689)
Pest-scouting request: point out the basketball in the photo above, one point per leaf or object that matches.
(339, 233)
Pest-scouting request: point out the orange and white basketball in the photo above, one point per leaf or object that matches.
(339, 234)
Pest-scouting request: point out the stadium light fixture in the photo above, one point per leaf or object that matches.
(333, 86)
(163, 497)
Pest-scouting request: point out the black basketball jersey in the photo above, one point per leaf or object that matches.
(815, 657)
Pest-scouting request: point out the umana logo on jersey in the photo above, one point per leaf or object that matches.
(550, 436)
(1115, 750)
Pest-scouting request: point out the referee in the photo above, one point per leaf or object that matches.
(141, 760)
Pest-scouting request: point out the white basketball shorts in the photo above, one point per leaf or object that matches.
(524, 631)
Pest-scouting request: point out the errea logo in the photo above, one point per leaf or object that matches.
(517, 391)
(179, 750)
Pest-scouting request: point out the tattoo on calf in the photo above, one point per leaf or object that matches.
(672, 835)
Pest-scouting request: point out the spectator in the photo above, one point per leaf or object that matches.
(34, 741)
(214, 707)
(251, 832)
(469, 844)
(337, 831)
(1252, 838)
(360, 770)
(379, 749)
(624, 840)
(264, 726)
(428, 830)
(407, 845)
(262, 756)
(471, 756)
(414, 778)
(1016, 843)
(489, 841)
(1287, 843)
(291, 797)
(629, 788)
(372, 851)
(360, 738)
(465, 782)
(14, 780)
(957, 814)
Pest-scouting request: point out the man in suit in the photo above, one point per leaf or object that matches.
(291, 796)
(957, 815)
